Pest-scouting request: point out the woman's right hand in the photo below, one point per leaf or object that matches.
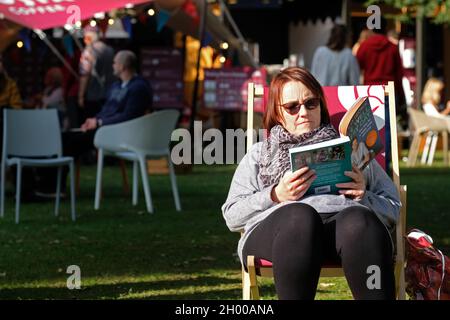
(293, 185)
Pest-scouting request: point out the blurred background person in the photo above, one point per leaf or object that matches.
(379, 60)
(432, 98)
(71, 86)
(393, 36)
(363, 36)
(9, 96)
(334, 64)
(53, 95)
(9, 92)
(96, 74)
(51, 98)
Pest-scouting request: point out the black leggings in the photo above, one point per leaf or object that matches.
(298, 241)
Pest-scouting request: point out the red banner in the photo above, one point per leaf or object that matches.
(45, 14)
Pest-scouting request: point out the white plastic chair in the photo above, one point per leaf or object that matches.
(137, 140)
(32, 138)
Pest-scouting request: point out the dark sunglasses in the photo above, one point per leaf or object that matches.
(294, 107)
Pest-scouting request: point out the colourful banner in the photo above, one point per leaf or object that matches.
(68, 45)
(35, 14)
(24, 34)
(127, 25)
(162, 18)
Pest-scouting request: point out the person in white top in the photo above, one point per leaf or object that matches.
(431, 98)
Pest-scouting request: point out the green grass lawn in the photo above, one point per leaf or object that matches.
(126, 253)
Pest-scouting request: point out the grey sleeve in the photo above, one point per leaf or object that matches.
(245, 198)
(381, 195)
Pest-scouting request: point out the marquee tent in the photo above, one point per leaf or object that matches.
(45, 14)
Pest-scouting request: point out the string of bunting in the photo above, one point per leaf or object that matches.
(24, 35)
(162, 17)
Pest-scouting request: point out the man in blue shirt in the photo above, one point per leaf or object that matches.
(128, 98)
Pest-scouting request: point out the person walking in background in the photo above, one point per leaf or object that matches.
(432, 97)
(96, 74)
(393, 36)
(334, 64)
(380, 61)
(363, 36)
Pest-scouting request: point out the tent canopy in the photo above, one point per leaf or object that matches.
(45, 14)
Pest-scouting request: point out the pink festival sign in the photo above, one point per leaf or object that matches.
(45, 14)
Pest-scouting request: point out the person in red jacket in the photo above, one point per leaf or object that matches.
(380, 62)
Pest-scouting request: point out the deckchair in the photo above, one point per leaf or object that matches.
(343, 96)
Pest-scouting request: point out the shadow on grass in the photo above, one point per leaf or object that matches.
(202, 287)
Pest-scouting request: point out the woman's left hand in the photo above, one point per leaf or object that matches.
(356, 189)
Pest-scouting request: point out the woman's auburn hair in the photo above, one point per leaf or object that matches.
(273, 115)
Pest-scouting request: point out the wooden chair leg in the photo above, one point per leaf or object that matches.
(254, 290)
(414, 149)
(245, 285)
(400, 284)
(126, 186)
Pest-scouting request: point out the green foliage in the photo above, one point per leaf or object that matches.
(437, 10)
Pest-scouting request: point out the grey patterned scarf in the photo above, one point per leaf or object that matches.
(274, 161)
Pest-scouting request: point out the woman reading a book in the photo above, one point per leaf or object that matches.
(299, 233)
